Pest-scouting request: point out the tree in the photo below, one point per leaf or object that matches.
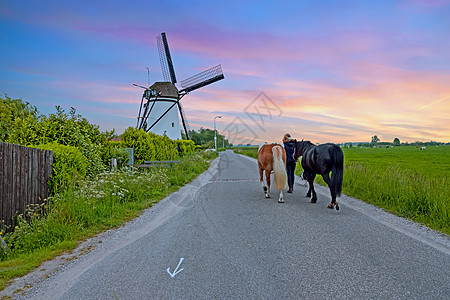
(12, 110)
(203, 137)
(396, 142)
(375, 139)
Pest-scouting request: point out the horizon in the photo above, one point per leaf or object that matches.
(324, 71)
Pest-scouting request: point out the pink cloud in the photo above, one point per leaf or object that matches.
(421, 5)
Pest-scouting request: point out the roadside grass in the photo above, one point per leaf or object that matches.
(83, 211)
(249, 151)
(403, 180)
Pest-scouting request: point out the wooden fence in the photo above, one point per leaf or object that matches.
(24, 175)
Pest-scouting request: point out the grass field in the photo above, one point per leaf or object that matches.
(406, 181)
(432, 162)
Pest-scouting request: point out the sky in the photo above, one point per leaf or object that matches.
(324, 71)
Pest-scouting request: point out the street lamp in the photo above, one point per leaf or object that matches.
(215, 135)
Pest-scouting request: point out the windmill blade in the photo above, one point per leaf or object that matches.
(165, 59)
(184, 120)
(201, 79)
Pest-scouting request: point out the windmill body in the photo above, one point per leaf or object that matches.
(160, 105)
(165, 104)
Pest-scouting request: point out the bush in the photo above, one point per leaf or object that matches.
(69, 165)
(121, 156)
(185, 147)
(140, 141)
(150, 146)
(12, 109)
(66, 129)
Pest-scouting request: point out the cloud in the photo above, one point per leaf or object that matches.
(446, 98)
(343, 73)
(423, 6)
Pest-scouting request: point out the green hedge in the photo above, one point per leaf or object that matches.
(116, 150)
(69, 129)
(69, 165)
(80, 148)
(149, 146)
(185, 147)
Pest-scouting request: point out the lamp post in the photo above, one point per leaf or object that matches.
(215, 135)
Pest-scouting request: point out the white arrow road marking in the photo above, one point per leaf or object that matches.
(175, 272)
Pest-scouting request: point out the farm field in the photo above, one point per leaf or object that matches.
(405, 180)
(432, 162)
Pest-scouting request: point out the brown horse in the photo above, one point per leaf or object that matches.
(272, 158)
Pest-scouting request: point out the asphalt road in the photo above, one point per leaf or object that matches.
(219, 238)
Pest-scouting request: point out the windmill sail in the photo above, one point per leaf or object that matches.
(184, 120)
(165, 59)
(157, 112)
(201, 79)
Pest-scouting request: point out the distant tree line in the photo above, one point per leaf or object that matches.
(204, 138)
(376, 142)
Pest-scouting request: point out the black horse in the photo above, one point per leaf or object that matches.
(322, 160)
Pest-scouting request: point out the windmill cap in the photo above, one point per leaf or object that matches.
(167, 89)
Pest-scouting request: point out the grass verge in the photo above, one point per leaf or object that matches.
(84, 210)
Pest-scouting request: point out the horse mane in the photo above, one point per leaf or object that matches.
(307, 143)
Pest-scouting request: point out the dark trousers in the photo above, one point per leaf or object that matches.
(290, 167)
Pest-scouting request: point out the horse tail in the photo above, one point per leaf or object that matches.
(337, 171)
(279, 168)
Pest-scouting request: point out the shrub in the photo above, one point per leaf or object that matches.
(149, 146)
(185, 147)
(140, 141)
(12, 109)
(69, 165)
(66, 129)
(121, 156)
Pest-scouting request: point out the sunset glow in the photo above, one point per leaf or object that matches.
(338, 71)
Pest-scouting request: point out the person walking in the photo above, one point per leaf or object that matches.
(289, 145)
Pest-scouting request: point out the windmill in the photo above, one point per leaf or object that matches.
(160, 104)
